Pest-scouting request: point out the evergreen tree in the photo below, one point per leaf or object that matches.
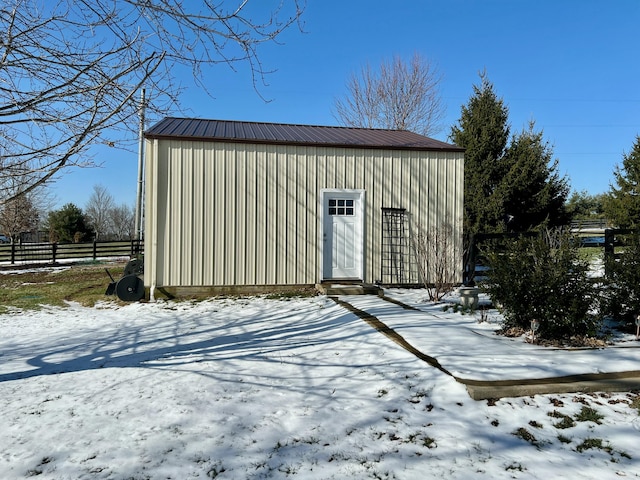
(509, 186)
(483, 131)
(68, 224)
(584, 206)
(532, 191)
(622, 203)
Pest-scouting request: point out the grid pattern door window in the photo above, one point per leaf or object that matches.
(341, 206)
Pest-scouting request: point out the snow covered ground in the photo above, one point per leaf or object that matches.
(254, 388)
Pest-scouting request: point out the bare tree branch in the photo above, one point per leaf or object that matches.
(398, 96)
(70, 70)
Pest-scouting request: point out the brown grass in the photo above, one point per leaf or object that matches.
(31, 289)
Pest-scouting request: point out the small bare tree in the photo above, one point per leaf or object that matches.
(70, 70)
(439, 254)
(18, 215)
(399, 96)
(122, 221)
(22, 212)
(98, 210)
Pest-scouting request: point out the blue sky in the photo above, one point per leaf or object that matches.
(570, 65)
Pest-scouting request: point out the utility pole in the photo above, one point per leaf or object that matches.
(139, 216)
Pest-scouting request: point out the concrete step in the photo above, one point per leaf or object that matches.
(336, 289)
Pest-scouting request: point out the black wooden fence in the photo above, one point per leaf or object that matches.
(611, 238)
(27, 253)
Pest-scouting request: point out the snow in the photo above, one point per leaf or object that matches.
(493, 357)
(251, 388)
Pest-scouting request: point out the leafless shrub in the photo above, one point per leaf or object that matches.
(439, 254)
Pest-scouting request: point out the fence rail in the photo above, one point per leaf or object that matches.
(25, 253)
(608, 241)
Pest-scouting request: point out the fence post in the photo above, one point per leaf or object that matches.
(136, 247)
(470, 272)
(609, 249)
(54, 250)
(13, 253)
(95, 250)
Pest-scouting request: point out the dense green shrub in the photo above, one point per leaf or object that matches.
(621, 298)
(542, 278)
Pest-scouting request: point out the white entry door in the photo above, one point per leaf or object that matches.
(343, 215)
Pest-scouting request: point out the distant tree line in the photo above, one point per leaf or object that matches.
(620, 206)
(102, 219)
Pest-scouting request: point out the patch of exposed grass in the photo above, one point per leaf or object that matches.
(515, 466)
(30, 290)
(597, 443)
(589, 443)
(526, 435)
(429, 442)
(635, 403)
(565, 420)
(292, 294)
(563, 439)
(588, 414)
(590, 254)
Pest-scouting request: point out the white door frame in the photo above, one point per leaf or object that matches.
(326, 239)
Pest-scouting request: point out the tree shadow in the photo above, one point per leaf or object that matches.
(185, 337)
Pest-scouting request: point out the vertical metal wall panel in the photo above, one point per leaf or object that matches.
(372, 228)
(231, 217)
(217, 214)
(286, 222)
(162, 265)
(296, 214)
(152, 205)
(249, 214)
(271, 218)
(197, 238)
(240, 193)
(260, 226)
(208, 241)
(311, 242)
(303, 174)
(187, 226)
(174, 214)
(279, 221)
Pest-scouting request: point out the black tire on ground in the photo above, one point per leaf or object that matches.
(130, 288)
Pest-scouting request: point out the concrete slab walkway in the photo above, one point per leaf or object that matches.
(491, 366)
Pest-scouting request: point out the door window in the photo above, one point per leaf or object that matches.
(341, 207)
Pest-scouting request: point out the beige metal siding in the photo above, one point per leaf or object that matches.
(243, 214)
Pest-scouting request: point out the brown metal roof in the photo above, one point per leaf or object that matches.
(280, 133)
